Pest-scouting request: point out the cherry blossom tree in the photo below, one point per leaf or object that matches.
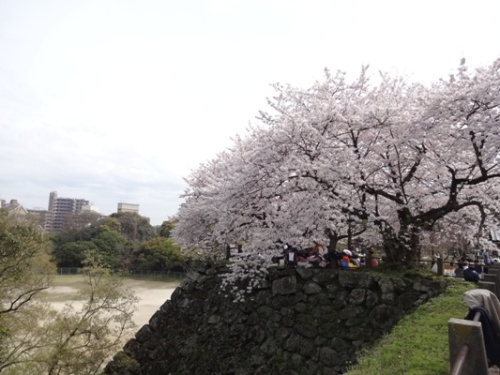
(345, 158)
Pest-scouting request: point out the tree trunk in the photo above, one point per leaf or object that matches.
(402, 248)
(333, 239)
(349, 233)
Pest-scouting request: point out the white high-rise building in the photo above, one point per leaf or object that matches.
(128, 207)
(59, 208)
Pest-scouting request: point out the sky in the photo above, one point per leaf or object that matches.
(120, 100)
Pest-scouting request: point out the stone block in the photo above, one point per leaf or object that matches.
(496, 272)
(494, 265)
(490, 278)
(285, 285)
(312, 288)
(492, 287)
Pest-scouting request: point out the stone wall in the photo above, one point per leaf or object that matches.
(303, 321)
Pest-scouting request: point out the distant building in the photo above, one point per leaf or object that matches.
(59, 208)
(90, 208)
(17, 212)
(39, 215)
(128, 207)
(14, 209)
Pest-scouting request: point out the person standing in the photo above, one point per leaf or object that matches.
(479, 268)
(373, 259)
(459, 271)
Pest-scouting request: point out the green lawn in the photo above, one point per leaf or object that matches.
(418, 344)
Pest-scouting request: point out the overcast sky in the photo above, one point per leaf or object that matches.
(119, 100)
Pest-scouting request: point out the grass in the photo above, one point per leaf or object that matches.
(418, 344)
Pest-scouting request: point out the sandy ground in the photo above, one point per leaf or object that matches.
(152, 295)
(151, 300)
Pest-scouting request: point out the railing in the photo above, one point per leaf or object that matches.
(68, 270)
(159, 274)
(462, 353)
(466, 340)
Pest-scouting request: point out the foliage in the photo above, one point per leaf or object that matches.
(159, 254)
(382, 159)
(418, 344)
(25, 269)
(166, 227)
(112, 239)
(111, 222)
(111, 246)
(134, 226)
(76, 221)
(70, 246)
(72, 254)
(77, 340)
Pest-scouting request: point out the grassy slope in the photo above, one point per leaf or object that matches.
(418, 344)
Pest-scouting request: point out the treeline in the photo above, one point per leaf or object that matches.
(124, 241)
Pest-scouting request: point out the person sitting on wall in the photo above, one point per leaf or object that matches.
(355, 259)
(345, 260)
(470, 274)
(333, 257)
(373, 259)
(317, 249)
(290, 255)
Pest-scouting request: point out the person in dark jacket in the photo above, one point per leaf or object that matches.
(491, 334)
(486, 303)
(459, 271)
(478, 267)
(470, 274)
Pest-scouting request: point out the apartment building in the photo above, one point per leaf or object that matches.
(59, 208)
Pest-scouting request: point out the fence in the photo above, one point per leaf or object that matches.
(472, 354)
(68, 271)
(157, 274)
(132, 273)
(465, 337)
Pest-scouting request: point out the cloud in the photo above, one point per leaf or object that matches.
(118, 101)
